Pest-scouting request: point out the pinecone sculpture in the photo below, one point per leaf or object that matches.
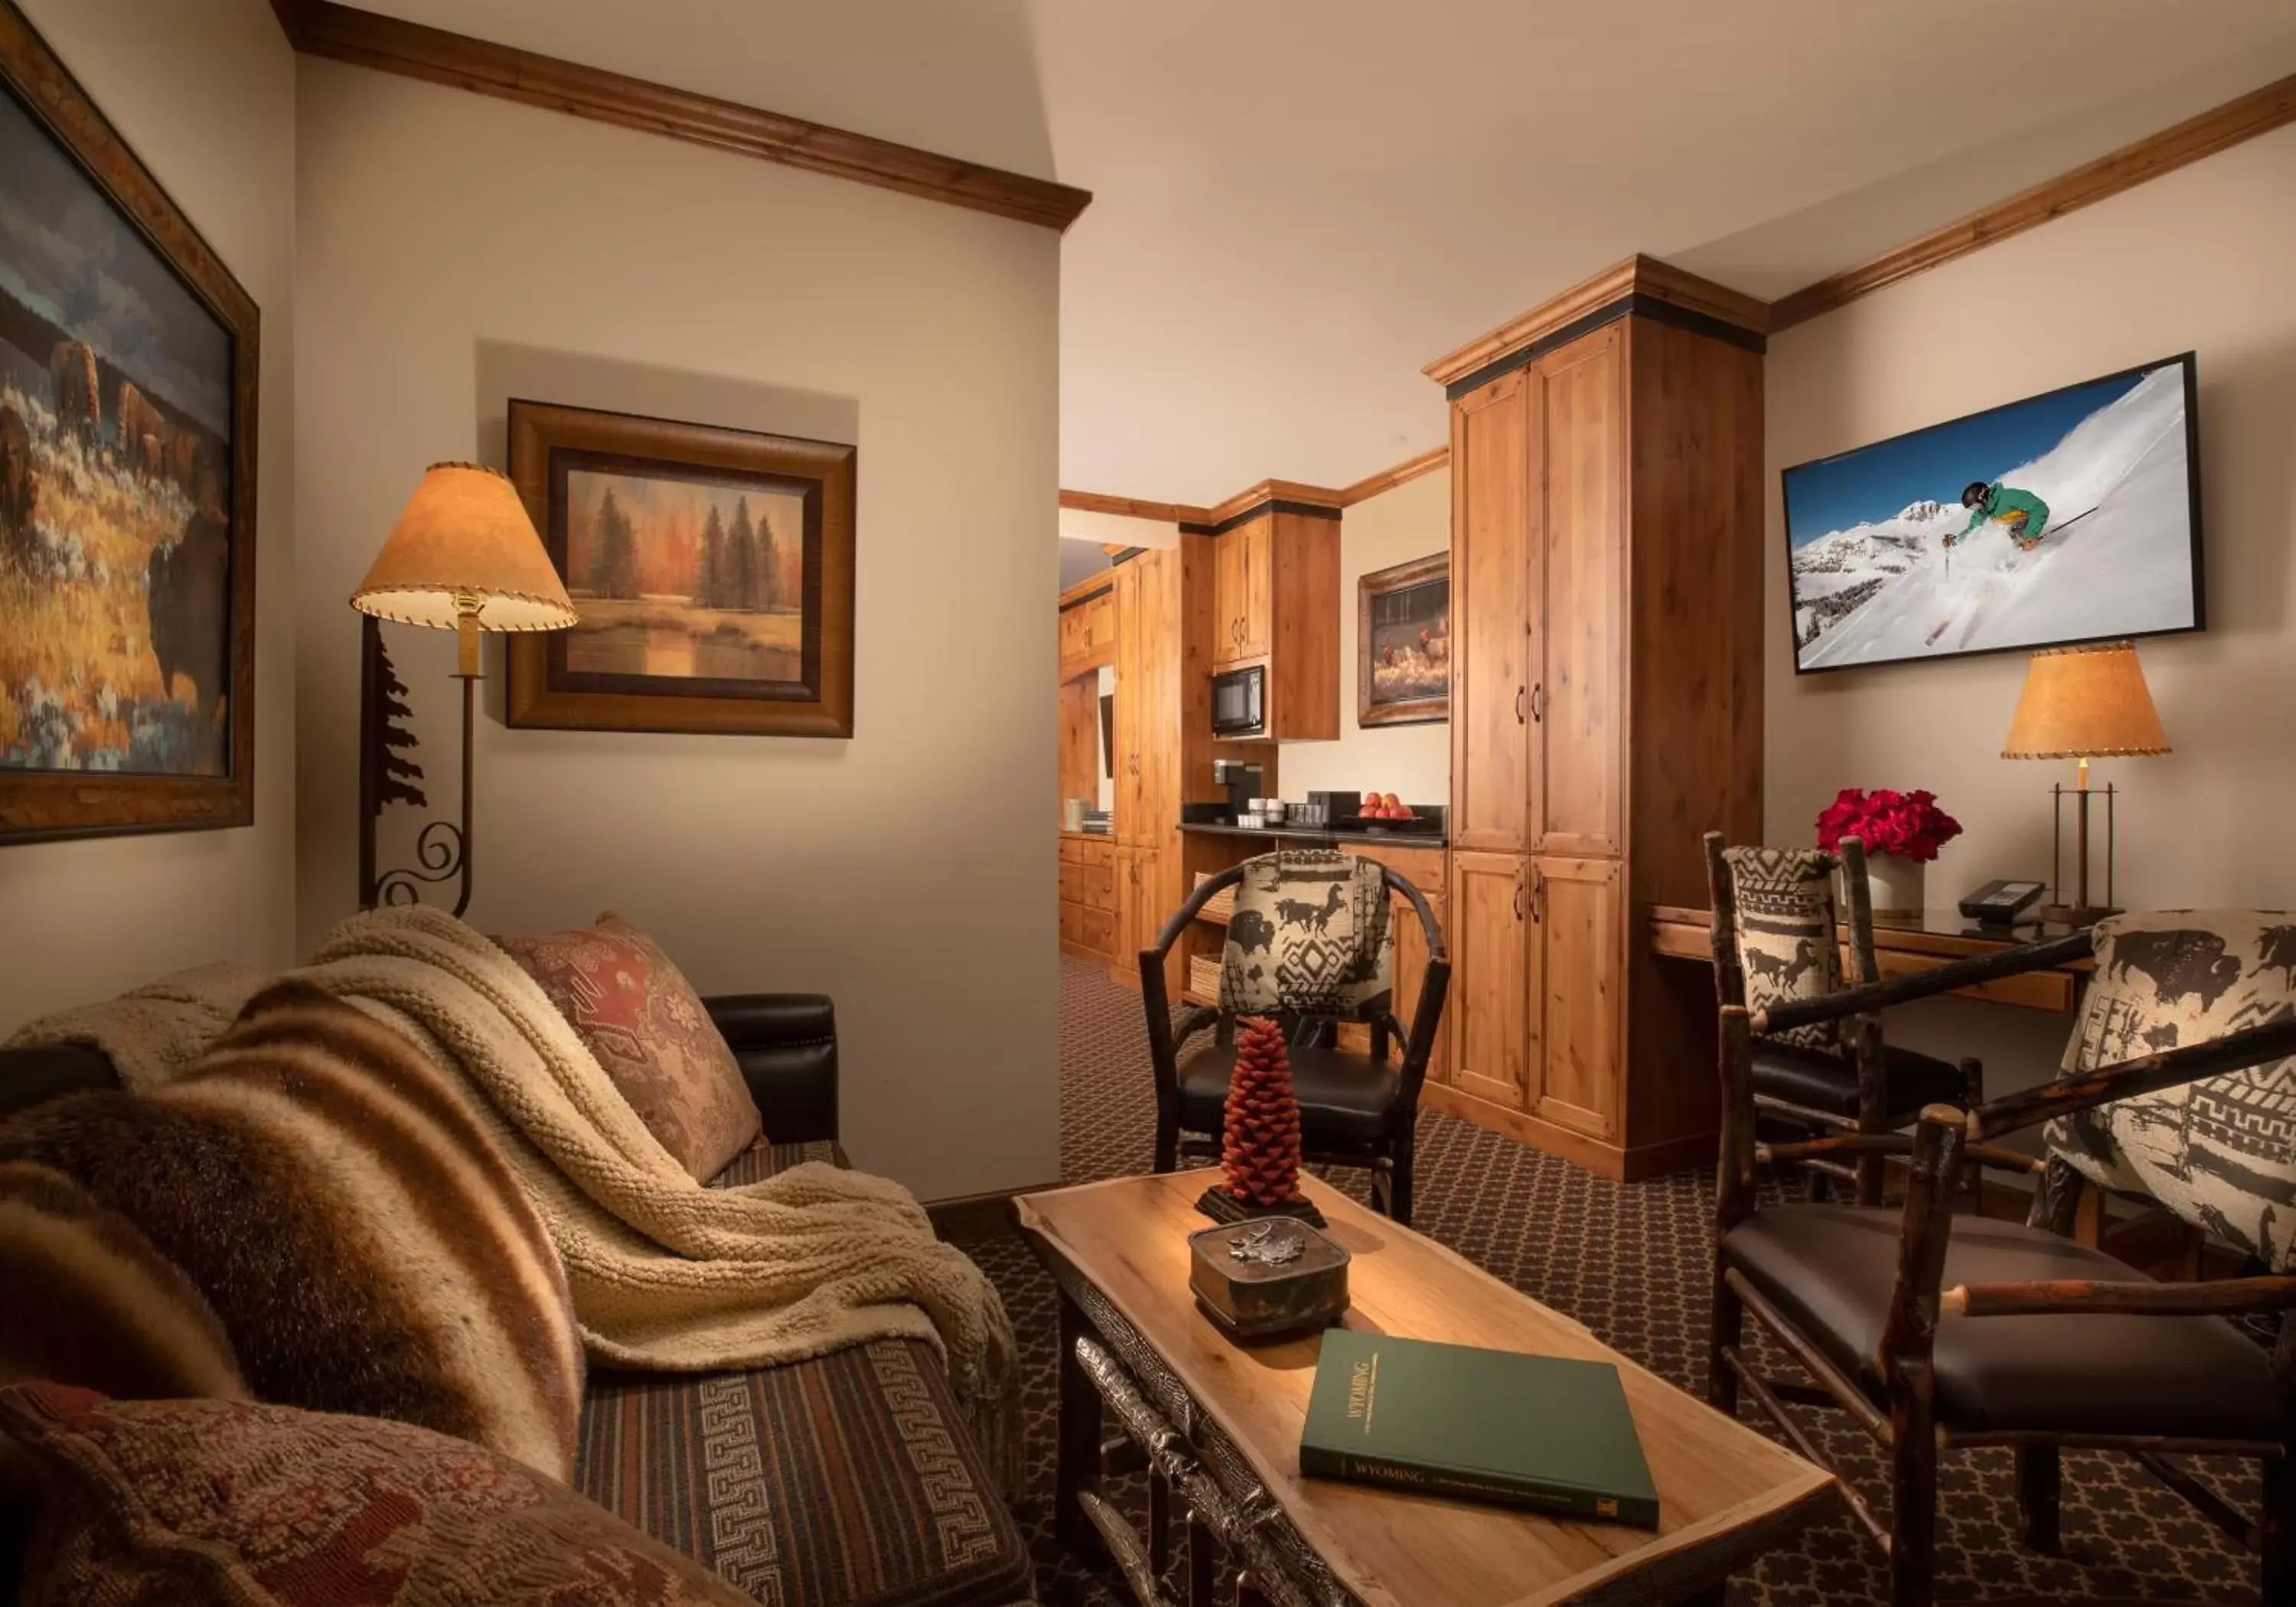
(1260, 1157)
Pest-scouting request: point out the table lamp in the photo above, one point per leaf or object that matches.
(2083, 703)
(463, 557)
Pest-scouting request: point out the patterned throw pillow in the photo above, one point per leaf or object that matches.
(153, 1503)
(1787, 944)
(2220, 1152)
(638, 1014)
(1309, 936)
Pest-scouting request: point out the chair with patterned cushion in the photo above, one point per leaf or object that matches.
(1935, 1332)
(1777, 914)
(1308, 947)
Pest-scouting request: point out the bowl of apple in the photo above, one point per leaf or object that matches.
(1382, 812)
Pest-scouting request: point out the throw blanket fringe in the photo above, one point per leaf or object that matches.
(665, 1275)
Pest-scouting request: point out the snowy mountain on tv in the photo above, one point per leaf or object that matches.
(2114, 559)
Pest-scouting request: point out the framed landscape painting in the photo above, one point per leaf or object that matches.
(127, 382)
(712, 570)
(2072, 516)
(1403, 644)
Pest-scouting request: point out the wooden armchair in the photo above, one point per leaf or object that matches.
(1354, 1110)
(1776, 915)
(1935, 1333)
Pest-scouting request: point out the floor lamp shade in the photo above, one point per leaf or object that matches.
(464, 549)
(463, 557)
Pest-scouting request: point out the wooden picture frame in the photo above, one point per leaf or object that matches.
(713, 567)
(1409, 599)
(127, 579)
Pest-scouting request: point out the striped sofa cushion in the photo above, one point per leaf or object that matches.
(844, 1481)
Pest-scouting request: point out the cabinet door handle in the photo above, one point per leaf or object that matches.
(1518, 706)
(1518, 897)
(1538, 700)
(1537, 894)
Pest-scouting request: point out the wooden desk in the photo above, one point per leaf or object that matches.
(1903, 948)
(1226, 1423)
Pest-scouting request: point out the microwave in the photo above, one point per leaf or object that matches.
(1240, 702)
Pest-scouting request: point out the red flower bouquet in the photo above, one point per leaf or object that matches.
(1909, 824)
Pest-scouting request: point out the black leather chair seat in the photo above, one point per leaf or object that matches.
(1819, 1081)
(1829, 1270)
(1344, 1099)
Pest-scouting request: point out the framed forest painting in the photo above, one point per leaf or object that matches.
(128, 394)
(712, 570)
(1403, 644)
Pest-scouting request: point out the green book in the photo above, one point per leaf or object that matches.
(1536, 1431)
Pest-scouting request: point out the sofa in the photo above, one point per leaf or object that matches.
(848, 1480)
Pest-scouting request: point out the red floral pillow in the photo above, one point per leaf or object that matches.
(168, 1502)
(638, 1014)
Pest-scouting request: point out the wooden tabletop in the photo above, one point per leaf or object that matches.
(1723, 1490)
(1936, 938)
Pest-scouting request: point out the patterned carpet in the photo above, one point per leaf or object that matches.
(1631, 1262)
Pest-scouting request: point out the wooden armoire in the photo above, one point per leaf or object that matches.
(1165, 602)
(1606, 704)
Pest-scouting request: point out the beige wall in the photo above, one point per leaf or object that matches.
(1414, 762)
(2199, 259)
(206, 96)
(455, 249)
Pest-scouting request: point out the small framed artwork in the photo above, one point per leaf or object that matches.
(712, 570)
(1403, 644)
(128, 392)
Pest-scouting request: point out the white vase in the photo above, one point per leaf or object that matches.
(1895, 885)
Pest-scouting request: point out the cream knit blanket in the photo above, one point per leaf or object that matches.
(665, 1275)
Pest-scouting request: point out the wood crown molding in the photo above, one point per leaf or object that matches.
(2260, 112)
(1402, 473)
(1248, 501)
(1643, 277)
(1133, 507)
(344, 33)
(1267, 491)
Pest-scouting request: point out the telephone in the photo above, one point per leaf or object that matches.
(1999, 903)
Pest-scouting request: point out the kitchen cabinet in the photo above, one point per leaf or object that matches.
(1605, 703)
(1142, 905)
(1088, 903)
(1275, 602)
(1087, 626)
(1244, 593)
(1425, 869)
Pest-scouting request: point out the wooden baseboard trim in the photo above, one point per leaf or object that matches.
(972, 1218)
(2220, 128)
(364, 39)
(1616, 1162)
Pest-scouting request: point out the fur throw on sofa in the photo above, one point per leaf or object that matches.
(665, 1275)
(359, 1238)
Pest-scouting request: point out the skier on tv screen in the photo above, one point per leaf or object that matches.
(2023, 515)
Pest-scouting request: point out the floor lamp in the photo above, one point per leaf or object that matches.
(2083, 703)
(463, 557)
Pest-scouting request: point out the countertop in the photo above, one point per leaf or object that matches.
(1321, 836)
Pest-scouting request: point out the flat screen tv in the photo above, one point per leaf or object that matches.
(2073, 516)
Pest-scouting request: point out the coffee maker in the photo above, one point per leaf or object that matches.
(1242, 781)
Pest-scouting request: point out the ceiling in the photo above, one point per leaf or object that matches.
(1299, 203)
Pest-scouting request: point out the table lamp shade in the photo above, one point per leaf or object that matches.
(2084, 702)
(463, 546)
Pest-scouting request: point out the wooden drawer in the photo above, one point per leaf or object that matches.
(1422, 868)
(1093, 885)
(1087, 850)
(1091, 931)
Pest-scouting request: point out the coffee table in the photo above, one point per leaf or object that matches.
(1220, 1427)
